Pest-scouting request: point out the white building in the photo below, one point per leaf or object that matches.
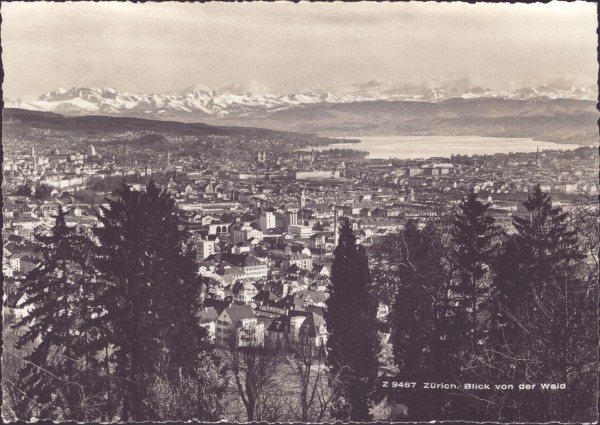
(267, 221)
(302, 261)
(205, 249)
(300, 231)
(239, 324)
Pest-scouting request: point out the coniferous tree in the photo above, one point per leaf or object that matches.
(473, 240)
(418, 320)
(543, 318)
(509, 293)
(153, 293)
(353, 343)
(59, 329)
(560, 311)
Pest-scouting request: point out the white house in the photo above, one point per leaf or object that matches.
(240, 325)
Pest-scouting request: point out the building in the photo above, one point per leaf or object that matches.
(300, 231)
(243, 233)
(320, 174)
(285, 219)
(243, 292)
(313, 331)
(248, 265)
(239, 325)
(302, 261)
(204, 249)
(267, 221)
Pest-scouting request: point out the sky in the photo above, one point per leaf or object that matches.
(286, 48)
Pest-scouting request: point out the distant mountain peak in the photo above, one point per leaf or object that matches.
(202, 101)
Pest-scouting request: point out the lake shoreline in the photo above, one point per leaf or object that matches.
(412, 147)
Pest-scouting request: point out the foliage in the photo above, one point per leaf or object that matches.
(61, 329)
(473, 242)
(353, 343)
(546, 313)
(500, 309)
(25, 189)
(185, 398)
(152, 292)
(43, 191)
(424, 349)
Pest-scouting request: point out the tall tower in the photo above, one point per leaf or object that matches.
(262, 156)
(168, 158)
(33, 152)
(537, 158)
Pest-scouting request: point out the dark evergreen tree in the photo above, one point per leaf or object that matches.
(560, 313)
(543, 321)
(153, 292)
(418, 320)
(473, 240)
(59, 329)
(509, 293)
(353, 343)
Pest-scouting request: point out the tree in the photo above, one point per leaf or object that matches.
(186, 398)
(559, 308)
(353, 343)
(544, 319)
(423, 350)
(152, 293)
(253, 367)
(308, 376)
(473, 240)
(585, 219)
(25, 189)
(43, 191)
(386, 267)
(60, 332)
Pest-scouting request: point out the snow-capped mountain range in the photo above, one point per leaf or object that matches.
(202, 101)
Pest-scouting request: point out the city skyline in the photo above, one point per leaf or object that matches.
(285, 47)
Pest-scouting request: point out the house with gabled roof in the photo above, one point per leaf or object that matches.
(239, 325)
(313, 330)
(243, 291)
(266, 297)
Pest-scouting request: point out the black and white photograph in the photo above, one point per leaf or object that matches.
(300, 212)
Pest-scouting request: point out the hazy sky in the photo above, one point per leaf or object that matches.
(286, 47)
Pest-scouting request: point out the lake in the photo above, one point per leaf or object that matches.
(409, 147)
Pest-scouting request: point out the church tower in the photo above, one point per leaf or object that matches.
(538, 164)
